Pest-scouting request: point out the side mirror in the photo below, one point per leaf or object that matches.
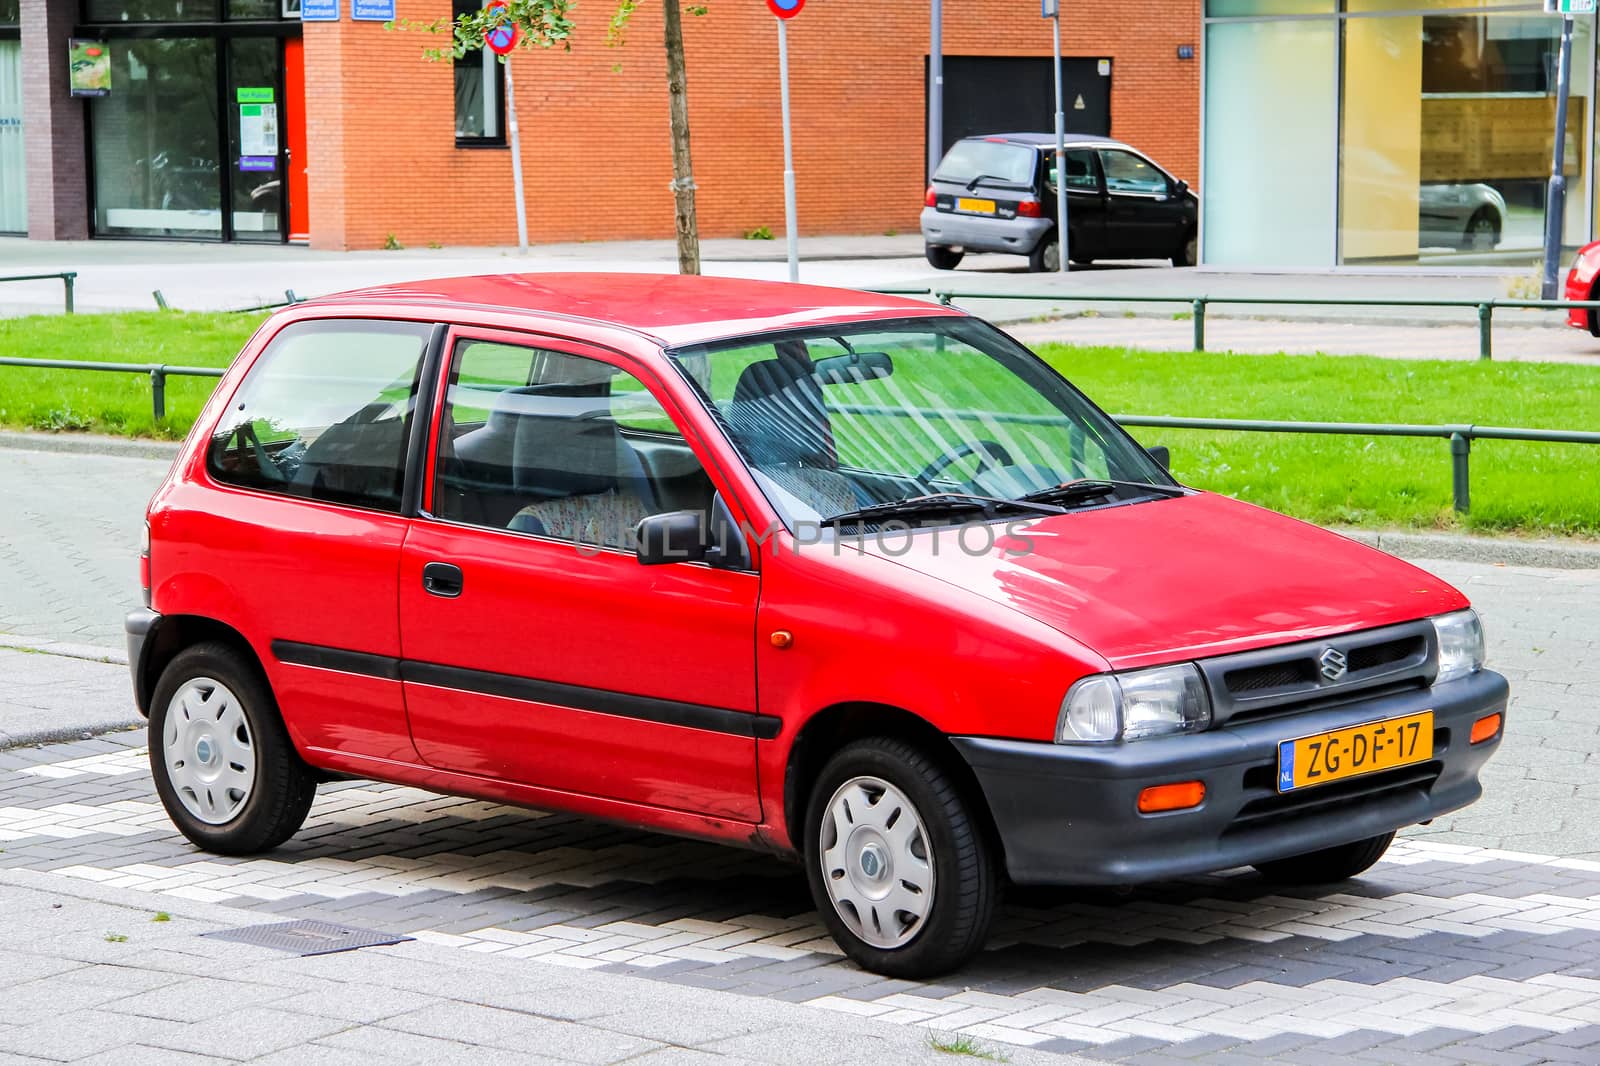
(674, 537)
(1179, 187)
(1162, 455)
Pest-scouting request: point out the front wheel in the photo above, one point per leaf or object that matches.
(1328, 865)
(223, 763)
(1187, 253)
(941, 257)
(898, 865)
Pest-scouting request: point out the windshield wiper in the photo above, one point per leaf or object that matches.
(938, 503)
(1001, 178)
(1094, 488)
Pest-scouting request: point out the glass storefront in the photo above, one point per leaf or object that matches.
(189, 143)
(13, 164)
(1388, 132)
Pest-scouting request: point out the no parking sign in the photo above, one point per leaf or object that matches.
(785, 9)
(503, 37)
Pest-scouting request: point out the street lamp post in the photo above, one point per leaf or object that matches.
(1051, 9)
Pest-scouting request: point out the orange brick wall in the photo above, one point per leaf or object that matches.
(596, 154)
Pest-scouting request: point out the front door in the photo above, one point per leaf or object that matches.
(536, 648)
(1145, 216)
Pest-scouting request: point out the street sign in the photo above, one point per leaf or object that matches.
(319, 10)
(785, 9)
(502, 38)
(369, 10)
(1569, 7)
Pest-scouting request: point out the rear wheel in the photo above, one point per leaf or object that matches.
(223, 763)
(1046, 255)
(1328, 865)
(943, 258)
(898, 865)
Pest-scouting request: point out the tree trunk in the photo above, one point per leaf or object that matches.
(682, 168)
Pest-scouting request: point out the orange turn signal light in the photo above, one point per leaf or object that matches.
(1178, 796)
(1486, 728)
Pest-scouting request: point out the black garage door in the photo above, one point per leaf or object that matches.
(1017, 94)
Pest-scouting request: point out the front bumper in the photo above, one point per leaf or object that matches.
(978, 233)
(1068, 814)
(1577, 288)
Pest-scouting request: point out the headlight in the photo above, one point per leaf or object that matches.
(1460, 645)
(1135, 705)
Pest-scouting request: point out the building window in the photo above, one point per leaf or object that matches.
(10, 12)
(480, 94)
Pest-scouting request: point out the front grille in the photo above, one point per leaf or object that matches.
(1284, 807)
(1295, 678)
(1273, 675)
(1370, 656)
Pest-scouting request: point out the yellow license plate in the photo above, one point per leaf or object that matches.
(979, 207)
(1362, 749)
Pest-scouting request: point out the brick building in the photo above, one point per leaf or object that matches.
(233, 120)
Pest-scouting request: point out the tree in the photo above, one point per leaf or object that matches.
(547, 23)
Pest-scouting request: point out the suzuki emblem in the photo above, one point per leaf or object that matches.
(1334, 664)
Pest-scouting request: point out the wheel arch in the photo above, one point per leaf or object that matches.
(171, 635)
(831, 728)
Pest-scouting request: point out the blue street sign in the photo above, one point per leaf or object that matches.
(319, 10)
(371, 10)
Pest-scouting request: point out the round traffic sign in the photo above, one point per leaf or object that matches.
(501, 38)
(785, 9)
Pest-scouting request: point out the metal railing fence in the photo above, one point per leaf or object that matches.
(157, 372)
(1198, 305)
(68, 278)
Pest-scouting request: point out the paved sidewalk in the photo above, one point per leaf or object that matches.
(90, 975)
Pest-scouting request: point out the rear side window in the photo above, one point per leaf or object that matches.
(325, 413)
(1010, 164)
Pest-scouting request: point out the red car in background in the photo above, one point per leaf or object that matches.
(855, 579)
(1581, 285)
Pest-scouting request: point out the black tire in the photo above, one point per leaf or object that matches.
(1187, 253)
(965, 884)
(1483, 231)
(1328, 865)
(941, 257)
(280, 796)
(1046, 255)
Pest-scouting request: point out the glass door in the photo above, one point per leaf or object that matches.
(13, 165)
(256, 158)
(157, 163)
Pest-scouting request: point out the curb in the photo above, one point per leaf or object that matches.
(91, 444)
(1498, 551)
(40, 737)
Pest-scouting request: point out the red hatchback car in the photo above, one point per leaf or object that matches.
(1583, 283)
(852, 578)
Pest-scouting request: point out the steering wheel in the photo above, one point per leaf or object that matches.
(992, 453)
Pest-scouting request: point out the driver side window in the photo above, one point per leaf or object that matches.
(1128, 174)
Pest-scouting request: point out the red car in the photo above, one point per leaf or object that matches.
(1581, 285)
(855, 579)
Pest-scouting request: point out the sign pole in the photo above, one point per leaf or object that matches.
(1556, 193)
(789, 223)
(1054, 7)
(935, 86)
(516, 158)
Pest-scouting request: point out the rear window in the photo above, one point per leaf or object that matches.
(1007, 163)
(325, 413)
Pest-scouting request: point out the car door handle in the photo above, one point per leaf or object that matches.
(442, 579)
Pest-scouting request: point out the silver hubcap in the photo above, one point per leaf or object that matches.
(1052, 256)
(209, 754)
(876, 862)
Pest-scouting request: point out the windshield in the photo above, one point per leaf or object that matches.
(990, 159)
(835, 419)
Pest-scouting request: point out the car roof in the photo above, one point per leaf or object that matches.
(1043, 140)
(671, 309)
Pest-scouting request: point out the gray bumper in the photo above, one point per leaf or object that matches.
(139, 625)
(975, 233)
(1069, 814)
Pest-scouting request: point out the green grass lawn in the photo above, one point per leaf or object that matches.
(1531, 488)
(106, 402)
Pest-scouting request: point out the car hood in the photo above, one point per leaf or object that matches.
(1175, 579)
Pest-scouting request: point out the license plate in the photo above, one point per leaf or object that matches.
(1362, 749)
(977, 207)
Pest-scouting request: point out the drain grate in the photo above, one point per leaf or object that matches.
(308, 937)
